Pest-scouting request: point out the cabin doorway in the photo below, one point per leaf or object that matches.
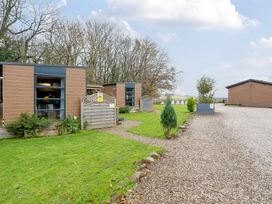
(130, 97)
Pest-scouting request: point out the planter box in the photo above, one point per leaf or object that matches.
(205, 108)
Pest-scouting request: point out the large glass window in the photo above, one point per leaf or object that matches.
(50, 97)
(130, 96)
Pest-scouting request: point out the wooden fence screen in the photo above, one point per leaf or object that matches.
(98, 111)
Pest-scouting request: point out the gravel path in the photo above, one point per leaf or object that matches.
(121, 131)
(225, 158)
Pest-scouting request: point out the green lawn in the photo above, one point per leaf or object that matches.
(151, 126)
(88, 167)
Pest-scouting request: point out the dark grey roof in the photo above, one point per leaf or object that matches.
(48, 65)
(112, 84)
(250, 80)
(124, 82)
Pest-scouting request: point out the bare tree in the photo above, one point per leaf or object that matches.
(21, 22)
(110, 54)
(63, 45)
(113, 56)
(10, 13)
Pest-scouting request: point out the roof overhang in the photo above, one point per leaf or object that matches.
(47, 65)
(249, 81)
(94, 86)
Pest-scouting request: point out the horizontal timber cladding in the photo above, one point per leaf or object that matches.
(110, 90)
(261, 95)
(240, 95)
(138, 94)
(120, 95)
(18, 91)
(75, 89)
(251, 94)
(98, 112)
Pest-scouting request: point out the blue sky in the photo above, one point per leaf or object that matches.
(227, 40)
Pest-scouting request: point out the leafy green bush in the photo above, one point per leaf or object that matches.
(61, 129)
(191, 104)
(68, 126)
(205, 87)
(124, 109)
(168, 118)
(28, 125)
(208, 99)
(85, 125)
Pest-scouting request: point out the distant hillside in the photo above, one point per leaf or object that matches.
(175, 97)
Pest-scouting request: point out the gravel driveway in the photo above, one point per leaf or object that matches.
(225, 158)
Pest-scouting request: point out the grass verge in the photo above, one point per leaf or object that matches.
(88, 167)
(151, 126)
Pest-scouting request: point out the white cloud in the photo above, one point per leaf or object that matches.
(259, 61)
(62, 3)
(202, 14)
(167, 37)
(262, 43)
(121, 24)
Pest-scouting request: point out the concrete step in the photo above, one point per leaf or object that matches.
(5, 134)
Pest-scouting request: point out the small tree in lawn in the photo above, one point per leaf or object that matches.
(191, 104)
(168, 118)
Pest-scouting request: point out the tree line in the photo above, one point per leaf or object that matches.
(29, 33)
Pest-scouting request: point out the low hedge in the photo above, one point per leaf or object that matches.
(28, 125)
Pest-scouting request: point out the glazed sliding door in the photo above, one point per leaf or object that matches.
(50, 96)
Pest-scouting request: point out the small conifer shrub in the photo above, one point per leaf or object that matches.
(191, 104)
(168, 118)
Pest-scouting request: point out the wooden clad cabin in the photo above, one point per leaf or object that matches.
(52, 91)
(126, 94)
(252, 92)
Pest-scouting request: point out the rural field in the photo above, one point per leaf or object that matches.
(88, 167)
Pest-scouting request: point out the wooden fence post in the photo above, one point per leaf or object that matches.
(81, 114)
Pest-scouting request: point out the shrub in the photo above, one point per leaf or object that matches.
(61, 129)
(208, 99)
(191, 104)
(124, 109)
(68, 126)
(85, 125)
(168, 118)
(28, 125)
(205, 87)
